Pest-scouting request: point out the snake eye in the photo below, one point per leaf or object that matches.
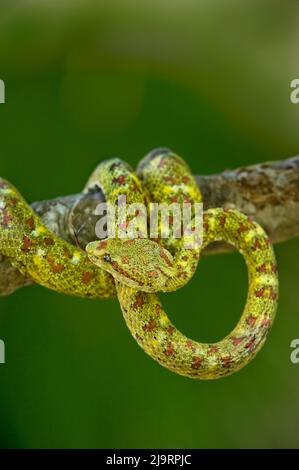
(107, 258)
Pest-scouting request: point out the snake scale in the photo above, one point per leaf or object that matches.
(137, 268)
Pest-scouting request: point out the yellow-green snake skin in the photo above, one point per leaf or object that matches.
(137, 268)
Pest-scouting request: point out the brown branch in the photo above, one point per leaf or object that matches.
(269, 192)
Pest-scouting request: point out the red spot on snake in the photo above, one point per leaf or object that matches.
(226, 361)
(165, 257)
(169, 351)
(182, 275)
(251, 344)
(266, 321)
(213, 349)
(274, 268)
(251, 320)
(102, 244)
(129, 242)
(49, 241)
(26, 244)
(169, 179)
(119, 180)
(139, 301)
(86, 278)
(185, 258)
(186, 179)
(273, 295)
(6, 218)
(260, 292)
(170, 329)
(66, 253)
(30, 223)
(162, 162)
(134, 187)
(173, 199)
(150, 326)
(125, 259)
(190, 344)
(55, 267)
(262, 268)
(237, 340)
(196, 362)
(242, 228)
(222, 220)
(257, 244)
(13, 201)
(153, 274)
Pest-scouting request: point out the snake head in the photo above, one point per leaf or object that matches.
(139, 263)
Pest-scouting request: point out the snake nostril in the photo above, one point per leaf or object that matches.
(107, 258)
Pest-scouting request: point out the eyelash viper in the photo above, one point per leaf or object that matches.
(167, 178)
(162, 177)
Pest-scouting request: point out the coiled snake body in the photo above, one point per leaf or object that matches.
(137, 268)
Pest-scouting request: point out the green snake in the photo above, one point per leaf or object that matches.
(136, 268)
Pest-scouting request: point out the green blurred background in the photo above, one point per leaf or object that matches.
(86, 80)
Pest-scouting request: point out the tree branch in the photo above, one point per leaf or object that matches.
(268, 192)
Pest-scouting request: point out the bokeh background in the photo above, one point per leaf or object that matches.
(86, 80)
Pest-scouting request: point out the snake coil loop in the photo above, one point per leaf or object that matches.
(135, 269)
